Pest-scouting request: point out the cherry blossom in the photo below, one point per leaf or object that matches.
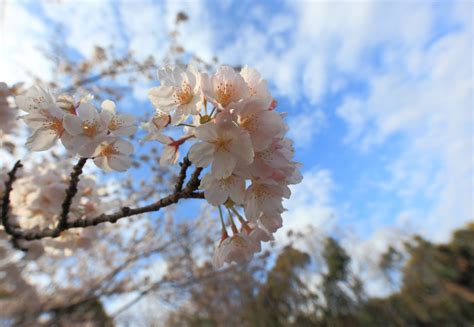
(230, 126)
(236, 248)
(87, 127)
(257, 85)
(264, 198)
(118, 125)
(44, 117)
(226, 86)
(217, 191)
(179, 94)
(223, 144)
(262, 124)
(155, 125)
(111, 154)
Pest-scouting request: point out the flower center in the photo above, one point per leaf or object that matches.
(108, 150)
(114, 123)
(183, 94)
(224, 92)
(89, 128)
(249, 123)
(56, 126)
(221, 144)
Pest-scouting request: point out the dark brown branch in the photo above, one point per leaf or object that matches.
(6, 197)
(70, 193)
(182, 174)
(66, 205)
(189, 192)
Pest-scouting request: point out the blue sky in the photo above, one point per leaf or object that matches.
(379, 95)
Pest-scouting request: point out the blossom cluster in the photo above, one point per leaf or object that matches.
(36, 203)
(82, 128)
(242, 141)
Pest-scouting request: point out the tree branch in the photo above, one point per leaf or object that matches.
(6, 197)
(189, 192)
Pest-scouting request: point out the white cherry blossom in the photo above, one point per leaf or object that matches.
(270, 223)
(226, 86)
(44, 117)
(217, 191)
(264, 198)
(35, 98)
(237, 248)
(86, 128)
(262, 124)
(180, 90)
(111, 154)
(117, 124)
(155, 125)
(224, 144)
(170, 153)
(257, 85)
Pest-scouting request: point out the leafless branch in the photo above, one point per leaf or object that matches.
(189, 192)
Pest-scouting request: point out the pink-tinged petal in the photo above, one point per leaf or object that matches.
(72, 124)
(41, 139)
(271, 223)
(206, 87)
(87, 111)
(120, 162)
(162, 97)
(124, 147)
(163, 139)
(102, 163)
(206, 182)
(89, 149)
(108, 106)
(223, 165)
(128, 119)
(286, 191)
(237, 190)
(201, 153)
(241, 147)
(169, 155)
(215, 195)
(252, 211)
(35, 120)
(206, 132)
(125, 130)
(178, 116)
(69, 142)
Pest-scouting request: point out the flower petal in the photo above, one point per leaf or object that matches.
(41, 139)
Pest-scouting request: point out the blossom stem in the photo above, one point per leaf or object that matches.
(241, 219)
(212, 112)
(232, 224)
(189, 125)
(221, 217)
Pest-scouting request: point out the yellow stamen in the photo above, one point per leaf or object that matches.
(90, 128)
(225, 92)
(183, 94)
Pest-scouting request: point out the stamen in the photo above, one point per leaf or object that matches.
(90, 128)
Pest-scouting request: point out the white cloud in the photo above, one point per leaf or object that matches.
(311, 206)
(428, 106)
(305, 125)
(21, 35)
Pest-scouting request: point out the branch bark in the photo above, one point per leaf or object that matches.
(189, 192)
